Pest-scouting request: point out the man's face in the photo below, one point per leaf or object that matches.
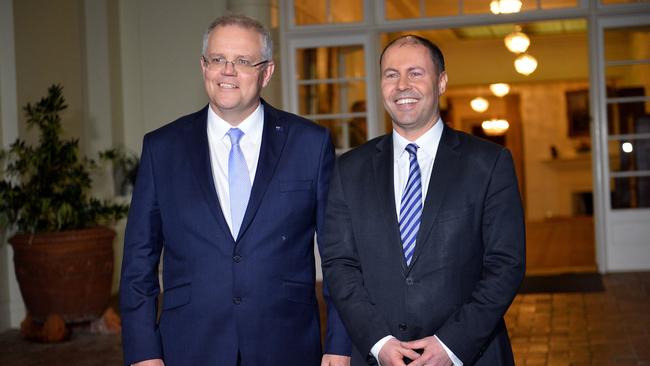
(234, 90)
(411, 88)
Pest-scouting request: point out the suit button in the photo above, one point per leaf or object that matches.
(402, 327)
(409, 281)
(236, 300)
(236, 258)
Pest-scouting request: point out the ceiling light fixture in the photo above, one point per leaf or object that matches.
(479, 104)
(517, 41)
(505, 6)
(500, 89)
(525, 64)
(495, 127)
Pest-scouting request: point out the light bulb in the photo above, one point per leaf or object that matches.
(525, 64)
(495, 127)
(517, 42)
(479, 104)
(500, 89)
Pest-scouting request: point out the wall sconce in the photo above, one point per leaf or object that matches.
(479, 104)
(500, 89)
(495, 127)
(525, 64)
(517, 41)
(505, 6)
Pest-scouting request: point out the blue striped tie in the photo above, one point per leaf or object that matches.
(411, 207)
(239, 182)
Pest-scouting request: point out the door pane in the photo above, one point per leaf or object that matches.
(310, 12)
(627, 74)
(330, 62)
(329, 98)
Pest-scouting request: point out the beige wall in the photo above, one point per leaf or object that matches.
(479, 61)
(48, 43)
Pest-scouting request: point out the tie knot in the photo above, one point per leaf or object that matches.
(235, 135)
(412, 149)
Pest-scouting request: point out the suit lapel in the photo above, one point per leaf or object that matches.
(274, 136)
(198, 149)
(445, 168)
(383, 166)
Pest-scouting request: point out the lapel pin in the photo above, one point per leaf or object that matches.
(278, 128)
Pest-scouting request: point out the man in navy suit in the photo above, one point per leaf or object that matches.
(231, 196)
(423, 248)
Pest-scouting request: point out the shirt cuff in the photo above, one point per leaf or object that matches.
(455, 360)
(377, 347)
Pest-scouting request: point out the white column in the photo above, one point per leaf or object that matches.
(261, 10)
(98, 117)
(12, 310)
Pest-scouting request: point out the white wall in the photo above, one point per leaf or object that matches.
(11, 306)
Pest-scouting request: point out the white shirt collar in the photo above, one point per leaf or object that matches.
(251, 126)
(428, 142)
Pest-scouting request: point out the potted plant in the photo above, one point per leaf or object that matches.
(63, 253)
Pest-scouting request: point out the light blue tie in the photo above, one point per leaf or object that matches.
(411, 206)
(239, 182)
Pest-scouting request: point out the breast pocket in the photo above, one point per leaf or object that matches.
(296, 185)
(299, 292)
(454, 213)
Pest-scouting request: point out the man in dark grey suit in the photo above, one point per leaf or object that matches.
(424, 246)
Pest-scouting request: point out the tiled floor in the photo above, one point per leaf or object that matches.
(606, 328)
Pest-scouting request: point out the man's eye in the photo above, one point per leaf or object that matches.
(243, 62)
(415, 74)
(217, 60)
(390, 76)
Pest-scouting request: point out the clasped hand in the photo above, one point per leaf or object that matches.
(432, 353)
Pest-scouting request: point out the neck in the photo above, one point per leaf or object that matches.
(415, 133)
(234, 118)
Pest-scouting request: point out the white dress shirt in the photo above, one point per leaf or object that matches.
(427, 148)
(219, 143)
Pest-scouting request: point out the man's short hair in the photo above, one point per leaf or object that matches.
(246, 23)
(434, 51)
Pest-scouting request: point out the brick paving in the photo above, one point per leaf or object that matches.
(602, 328)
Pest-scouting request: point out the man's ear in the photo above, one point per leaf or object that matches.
(267, 73)
(442, 83)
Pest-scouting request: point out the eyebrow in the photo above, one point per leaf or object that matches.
(411, 68)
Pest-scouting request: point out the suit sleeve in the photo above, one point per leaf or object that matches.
(469, 329)
(139, 287)
(343, 272)
(337, 341)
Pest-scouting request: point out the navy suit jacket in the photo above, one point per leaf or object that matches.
(222, 295)
(469, 255)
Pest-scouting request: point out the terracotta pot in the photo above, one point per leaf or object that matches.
(68, 273)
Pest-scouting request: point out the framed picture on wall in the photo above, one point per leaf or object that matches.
(577, 105)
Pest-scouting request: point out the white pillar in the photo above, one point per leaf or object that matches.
(261, 10)
(12, 310)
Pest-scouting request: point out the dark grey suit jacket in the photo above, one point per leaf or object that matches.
(469, 258)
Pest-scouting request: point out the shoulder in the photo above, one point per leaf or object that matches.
(470, 143)
(172, 130)
(360, 155)
(293, 122)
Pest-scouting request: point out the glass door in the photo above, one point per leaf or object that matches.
(331, 87)
(624, 107)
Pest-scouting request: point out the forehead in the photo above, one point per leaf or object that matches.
(234, 39)
(406, 55)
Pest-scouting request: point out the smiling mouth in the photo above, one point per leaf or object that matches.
(227, 86)
(402, 101)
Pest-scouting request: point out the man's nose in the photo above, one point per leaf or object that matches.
(229, 68)
(403, 83)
